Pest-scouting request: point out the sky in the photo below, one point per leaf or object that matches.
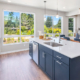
(6, 13)
(55, 20)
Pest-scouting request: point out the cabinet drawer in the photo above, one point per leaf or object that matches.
(45, 49)
(61, 57)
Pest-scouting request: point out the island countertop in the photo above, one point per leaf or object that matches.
(69, 48)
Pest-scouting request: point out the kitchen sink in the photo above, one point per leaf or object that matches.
(53, 44)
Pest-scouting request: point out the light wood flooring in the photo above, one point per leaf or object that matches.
(19, 66)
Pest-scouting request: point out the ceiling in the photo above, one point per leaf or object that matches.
(63, 5)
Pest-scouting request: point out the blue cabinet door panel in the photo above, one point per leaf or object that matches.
(61, 71)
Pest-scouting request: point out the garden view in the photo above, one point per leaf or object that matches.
(53, 25)
(12, 24)
(23, 24)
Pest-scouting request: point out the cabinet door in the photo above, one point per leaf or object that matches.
(49, 65)
(61, 71)
(31, 50)
(42, 59)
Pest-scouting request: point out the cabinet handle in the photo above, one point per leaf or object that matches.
(59, 57)
(59, 62)
(43, 55)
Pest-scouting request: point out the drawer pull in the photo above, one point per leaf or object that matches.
(58, 62)
(59, 57)
(43, 55)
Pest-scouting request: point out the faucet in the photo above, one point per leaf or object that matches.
(59, 36)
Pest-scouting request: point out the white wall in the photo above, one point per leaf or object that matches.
(39, 23)
(78, 21)
(73, 13)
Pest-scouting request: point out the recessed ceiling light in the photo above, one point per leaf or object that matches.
(9, 1)
(63, 7)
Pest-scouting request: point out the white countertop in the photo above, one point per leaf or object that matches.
(69, 48)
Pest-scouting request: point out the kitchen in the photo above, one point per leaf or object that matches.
(39, 40)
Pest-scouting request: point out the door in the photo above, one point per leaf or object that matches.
(61, 71)
(49, 64)
(42, 59)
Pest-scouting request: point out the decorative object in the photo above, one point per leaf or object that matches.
(40, 35)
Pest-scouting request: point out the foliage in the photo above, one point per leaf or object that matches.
(48, 22)
(50, 30)
(23, 28)
(11, 24)
(11, 21)
(58, 25)
(4, 40)
(18, 32)
(55, 30)
(70, 34)
(70, 19)
(8, 40)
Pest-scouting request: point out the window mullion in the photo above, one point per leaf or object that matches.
(53, 26)
(20, 27)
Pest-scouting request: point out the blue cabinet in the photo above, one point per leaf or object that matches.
(45, 60)
(31, 49)
(48, 65)
(61, 70)
(42, 59)
(55, 65)
(61, 57)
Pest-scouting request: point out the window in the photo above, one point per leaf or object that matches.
(11, 40)
(11, 23)
(52, 25)
(18, 27)
(70, 26)
(27, 24)
(56, 25)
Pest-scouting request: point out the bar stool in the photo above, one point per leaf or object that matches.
(67, 38)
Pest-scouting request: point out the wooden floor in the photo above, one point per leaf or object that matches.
(19, 66)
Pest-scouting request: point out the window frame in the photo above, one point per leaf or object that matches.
(53, 24)
(10, 36)
(71, 27)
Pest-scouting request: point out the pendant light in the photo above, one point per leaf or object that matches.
(57, 16)
(45, 9)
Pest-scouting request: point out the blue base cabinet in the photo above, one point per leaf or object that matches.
(61, 70)
(48, 65)
(45, 61)
(42, 60)
(56, 65)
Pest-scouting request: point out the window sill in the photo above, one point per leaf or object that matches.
(15, 43)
